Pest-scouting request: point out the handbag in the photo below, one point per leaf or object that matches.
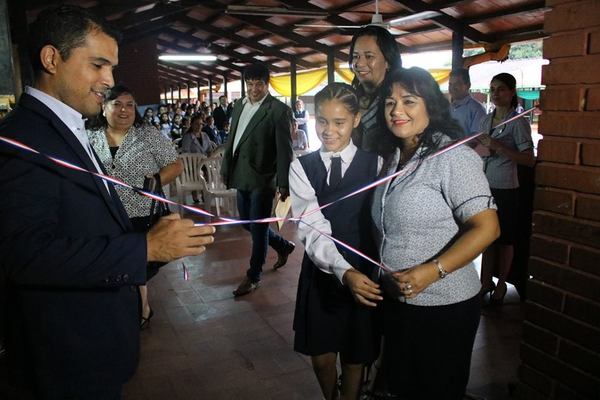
(158, 209)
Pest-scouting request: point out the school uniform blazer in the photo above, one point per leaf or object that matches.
(69, 261)
(263, 156)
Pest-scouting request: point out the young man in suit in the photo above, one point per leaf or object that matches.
(256, 162)
(222, 113)
(70, 258)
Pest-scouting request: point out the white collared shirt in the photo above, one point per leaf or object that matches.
(347, 155)
(248, 111)
(71, 118)
(321, 250)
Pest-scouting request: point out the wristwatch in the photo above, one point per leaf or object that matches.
(441, 270)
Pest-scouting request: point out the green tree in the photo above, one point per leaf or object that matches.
(518, 51)
(526, 50)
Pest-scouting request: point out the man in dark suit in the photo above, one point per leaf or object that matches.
(256, 162)
(70, 260)
(222, 113)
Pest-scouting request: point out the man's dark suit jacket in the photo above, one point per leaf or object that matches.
(69, 262)
(263, 156)
(220, 115)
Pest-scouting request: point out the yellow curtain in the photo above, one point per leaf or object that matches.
(441, 75)
(305, 81)
(346, 74)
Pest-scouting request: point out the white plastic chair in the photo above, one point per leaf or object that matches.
(191, 179)
(215, 187)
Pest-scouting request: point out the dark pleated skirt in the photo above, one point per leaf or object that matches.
(328, 320)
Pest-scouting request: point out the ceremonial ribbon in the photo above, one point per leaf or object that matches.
(231, 221)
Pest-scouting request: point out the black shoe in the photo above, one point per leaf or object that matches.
(283, 255)
(247, 286)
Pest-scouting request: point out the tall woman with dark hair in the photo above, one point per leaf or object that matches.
(508, 145)
(131, 150)
(373, 52)
(431, 221)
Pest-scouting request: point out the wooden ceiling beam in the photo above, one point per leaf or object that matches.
(288, 34)
(175, 76)
(157, 20)
(447, 21)
(505, 12)
(242, 41)
(218, 48)
(284, 32)
(153, 16)
(106, 9)
(202, 65)
(182, 70)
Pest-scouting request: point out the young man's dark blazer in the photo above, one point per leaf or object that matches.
(70, 264)
(263, 156)
(220, 116)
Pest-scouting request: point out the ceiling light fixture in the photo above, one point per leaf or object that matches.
(187, 57)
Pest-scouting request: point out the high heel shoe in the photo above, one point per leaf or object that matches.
(145, 321)
(497, 297)
(487, 289)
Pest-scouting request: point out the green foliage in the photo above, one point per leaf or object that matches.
(526, 50)
(472, 52)
(518, 51)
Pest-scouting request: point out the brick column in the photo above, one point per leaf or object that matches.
(138, 69)
(560, 352)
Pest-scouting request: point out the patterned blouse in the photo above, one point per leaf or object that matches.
(500, 170)
(420, 214)
(144, 151)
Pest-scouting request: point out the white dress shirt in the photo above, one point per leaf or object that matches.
(321, 250)
(247, 113)
(71, 118)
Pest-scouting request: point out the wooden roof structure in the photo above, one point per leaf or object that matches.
(239, 32)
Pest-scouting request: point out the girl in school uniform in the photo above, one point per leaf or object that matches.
(334, 307)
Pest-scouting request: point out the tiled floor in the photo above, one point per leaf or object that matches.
(204, 344)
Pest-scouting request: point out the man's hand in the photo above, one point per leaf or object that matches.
(364, 290)
(172, 238)
(283, 193)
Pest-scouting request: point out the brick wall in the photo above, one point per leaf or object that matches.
(138, 69)
(560, 352)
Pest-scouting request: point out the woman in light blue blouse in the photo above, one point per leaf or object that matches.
(431, 222)
(508, 145)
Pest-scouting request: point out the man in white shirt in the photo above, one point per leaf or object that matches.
(256, 162)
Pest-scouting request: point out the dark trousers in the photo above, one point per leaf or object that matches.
(257, 204)
(427, 351)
